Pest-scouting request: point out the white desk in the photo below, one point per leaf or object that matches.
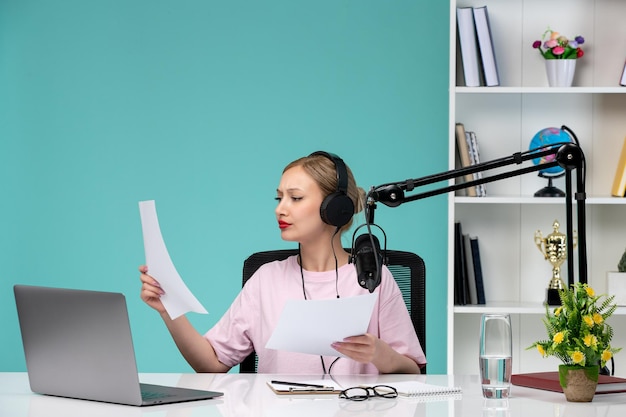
(248, 395)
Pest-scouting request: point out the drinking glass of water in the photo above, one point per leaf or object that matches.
(495, 355)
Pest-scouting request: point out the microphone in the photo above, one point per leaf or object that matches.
(368, 260)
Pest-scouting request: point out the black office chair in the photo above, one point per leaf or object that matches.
(407, 268)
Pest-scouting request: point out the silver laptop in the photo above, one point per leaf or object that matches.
(78, 344)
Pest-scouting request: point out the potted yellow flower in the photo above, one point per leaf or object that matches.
(580, 337)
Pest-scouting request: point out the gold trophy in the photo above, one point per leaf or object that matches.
(554, 249)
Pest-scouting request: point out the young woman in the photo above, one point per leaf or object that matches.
(316, 199)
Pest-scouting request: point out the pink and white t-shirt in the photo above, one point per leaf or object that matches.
(253, 315)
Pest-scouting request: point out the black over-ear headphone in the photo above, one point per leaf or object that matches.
(337, 208)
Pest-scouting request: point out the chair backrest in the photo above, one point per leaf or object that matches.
(408, 270)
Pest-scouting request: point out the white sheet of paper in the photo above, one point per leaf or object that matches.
(177, 299)
(310, 326)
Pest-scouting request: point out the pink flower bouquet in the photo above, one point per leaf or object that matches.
(556, 46)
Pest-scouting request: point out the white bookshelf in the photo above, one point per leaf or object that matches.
(505, 119)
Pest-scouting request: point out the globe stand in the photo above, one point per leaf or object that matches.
(549, 190)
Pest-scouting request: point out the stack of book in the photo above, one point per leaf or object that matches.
(476, 45)
(468, 274)
(549, 381)
(468, 155)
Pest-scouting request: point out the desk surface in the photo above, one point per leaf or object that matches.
(248, 395)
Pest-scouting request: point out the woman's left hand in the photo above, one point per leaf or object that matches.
(368, 348)
(359, 348)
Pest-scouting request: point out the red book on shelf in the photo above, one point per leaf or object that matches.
(549, 381)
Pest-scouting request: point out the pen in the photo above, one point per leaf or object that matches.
(311, 389)
(297, 384)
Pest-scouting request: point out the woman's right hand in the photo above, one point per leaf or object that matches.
(151, 291)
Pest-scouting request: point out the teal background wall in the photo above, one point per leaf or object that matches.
(199, 104)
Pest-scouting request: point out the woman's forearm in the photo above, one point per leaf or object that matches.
(196, 350)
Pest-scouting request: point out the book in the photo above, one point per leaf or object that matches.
(478, 270)
(619, 183)
(549, 381)
(469, 46)
(622, 80)
(485, 45)
(460, 293)
(469, 268)
(472, 143)
(464, 156)
(421, 389)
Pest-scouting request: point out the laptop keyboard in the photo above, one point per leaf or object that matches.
(154, 395)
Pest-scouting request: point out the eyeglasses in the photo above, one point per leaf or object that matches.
(364, 393)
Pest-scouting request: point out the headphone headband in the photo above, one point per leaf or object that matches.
(340, 168)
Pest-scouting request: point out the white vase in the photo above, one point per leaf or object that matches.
(560, 72)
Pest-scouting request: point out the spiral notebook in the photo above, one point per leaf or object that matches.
(422, 389)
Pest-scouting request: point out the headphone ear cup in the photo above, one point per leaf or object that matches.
(337, 209)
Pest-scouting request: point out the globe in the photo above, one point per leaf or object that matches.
(546, 138)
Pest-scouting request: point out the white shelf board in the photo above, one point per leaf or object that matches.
(541, 90)
(501, 307)
(513, 308)
(535, 200)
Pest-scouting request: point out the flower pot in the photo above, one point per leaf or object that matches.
(560, 72)
(579, 382)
